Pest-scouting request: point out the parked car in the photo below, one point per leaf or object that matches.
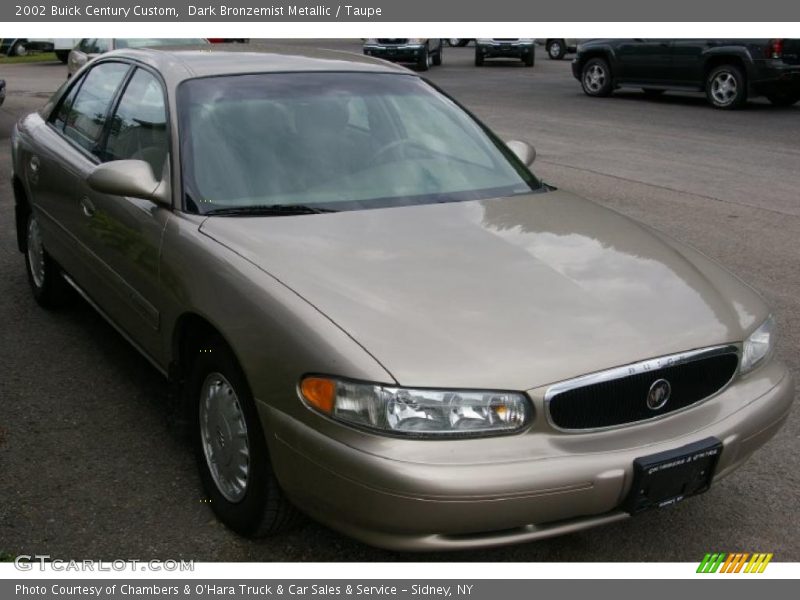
(370, 308)
(421, 52)
(21, 46)
(558, 48)
(89, 48)
(729, 71)
(521, 48)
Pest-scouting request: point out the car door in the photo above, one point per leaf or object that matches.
(124, 234)
(65, 153)
(644, 60)
(688, 57)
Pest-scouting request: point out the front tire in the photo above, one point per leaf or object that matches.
(726, 87)
(44, 276)
(20, 48)
(784, 98)
(556, 49)
(596, 78)
(424, 60)
(437, 58)
(231, 449)
(528, 58)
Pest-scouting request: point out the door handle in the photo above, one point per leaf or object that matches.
(87, 207)
(33, 170)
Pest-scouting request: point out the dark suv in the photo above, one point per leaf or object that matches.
(728, 71)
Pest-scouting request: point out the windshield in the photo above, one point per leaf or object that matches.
(335, 141)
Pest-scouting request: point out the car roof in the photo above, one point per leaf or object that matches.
(178, 63)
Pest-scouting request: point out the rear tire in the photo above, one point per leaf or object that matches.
(44, 276)
(596, 78)
(726, 87)
(556, 49)
(223, 405)
(784, 98)
(478, 58)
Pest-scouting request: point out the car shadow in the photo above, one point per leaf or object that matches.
(501, 62)
(686, 99)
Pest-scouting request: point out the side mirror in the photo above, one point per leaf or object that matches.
(524, 151)
(132, 178)
(77, 59)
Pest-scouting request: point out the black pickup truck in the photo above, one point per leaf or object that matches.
(728, 71)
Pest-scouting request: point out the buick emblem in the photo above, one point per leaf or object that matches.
(659, 393)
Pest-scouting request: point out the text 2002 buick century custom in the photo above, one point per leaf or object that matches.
(375, 312)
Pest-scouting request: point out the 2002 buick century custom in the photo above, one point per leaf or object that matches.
(375, 312)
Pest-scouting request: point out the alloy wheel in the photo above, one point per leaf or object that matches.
(724, 88)
(595, 78)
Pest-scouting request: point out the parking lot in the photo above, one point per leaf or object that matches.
(88, 469)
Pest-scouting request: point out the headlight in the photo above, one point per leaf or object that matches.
(758, 345)
(417, 412)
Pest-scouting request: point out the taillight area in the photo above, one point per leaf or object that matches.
(775, 49)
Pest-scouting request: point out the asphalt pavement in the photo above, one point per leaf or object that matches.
(88, 469)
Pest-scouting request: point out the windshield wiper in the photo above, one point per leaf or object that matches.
(269, 210)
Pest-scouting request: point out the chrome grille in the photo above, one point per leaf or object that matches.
(620, 396)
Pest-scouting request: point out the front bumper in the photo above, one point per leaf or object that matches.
(576, 69)
(434, 495)
(504, 49)
(404, 53)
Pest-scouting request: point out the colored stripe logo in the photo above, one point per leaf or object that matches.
(735, 562)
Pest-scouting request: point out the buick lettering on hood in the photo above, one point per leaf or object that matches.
(371, 311)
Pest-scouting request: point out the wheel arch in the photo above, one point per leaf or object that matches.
(716, 59)
(605, 53)
(22, 208)
(190, 332)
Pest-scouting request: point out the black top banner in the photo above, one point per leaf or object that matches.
(782, 11)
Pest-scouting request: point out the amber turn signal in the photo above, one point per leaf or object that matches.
(319, 393)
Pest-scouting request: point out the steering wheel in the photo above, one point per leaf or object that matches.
(400, 147)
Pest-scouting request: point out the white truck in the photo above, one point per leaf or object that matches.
(21, 46)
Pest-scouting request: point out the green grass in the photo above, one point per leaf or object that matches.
(30, 58)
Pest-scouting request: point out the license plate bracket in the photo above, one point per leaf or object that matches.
(666, 478)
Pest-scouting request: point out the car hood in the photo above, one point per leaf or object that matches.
(508, 293)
